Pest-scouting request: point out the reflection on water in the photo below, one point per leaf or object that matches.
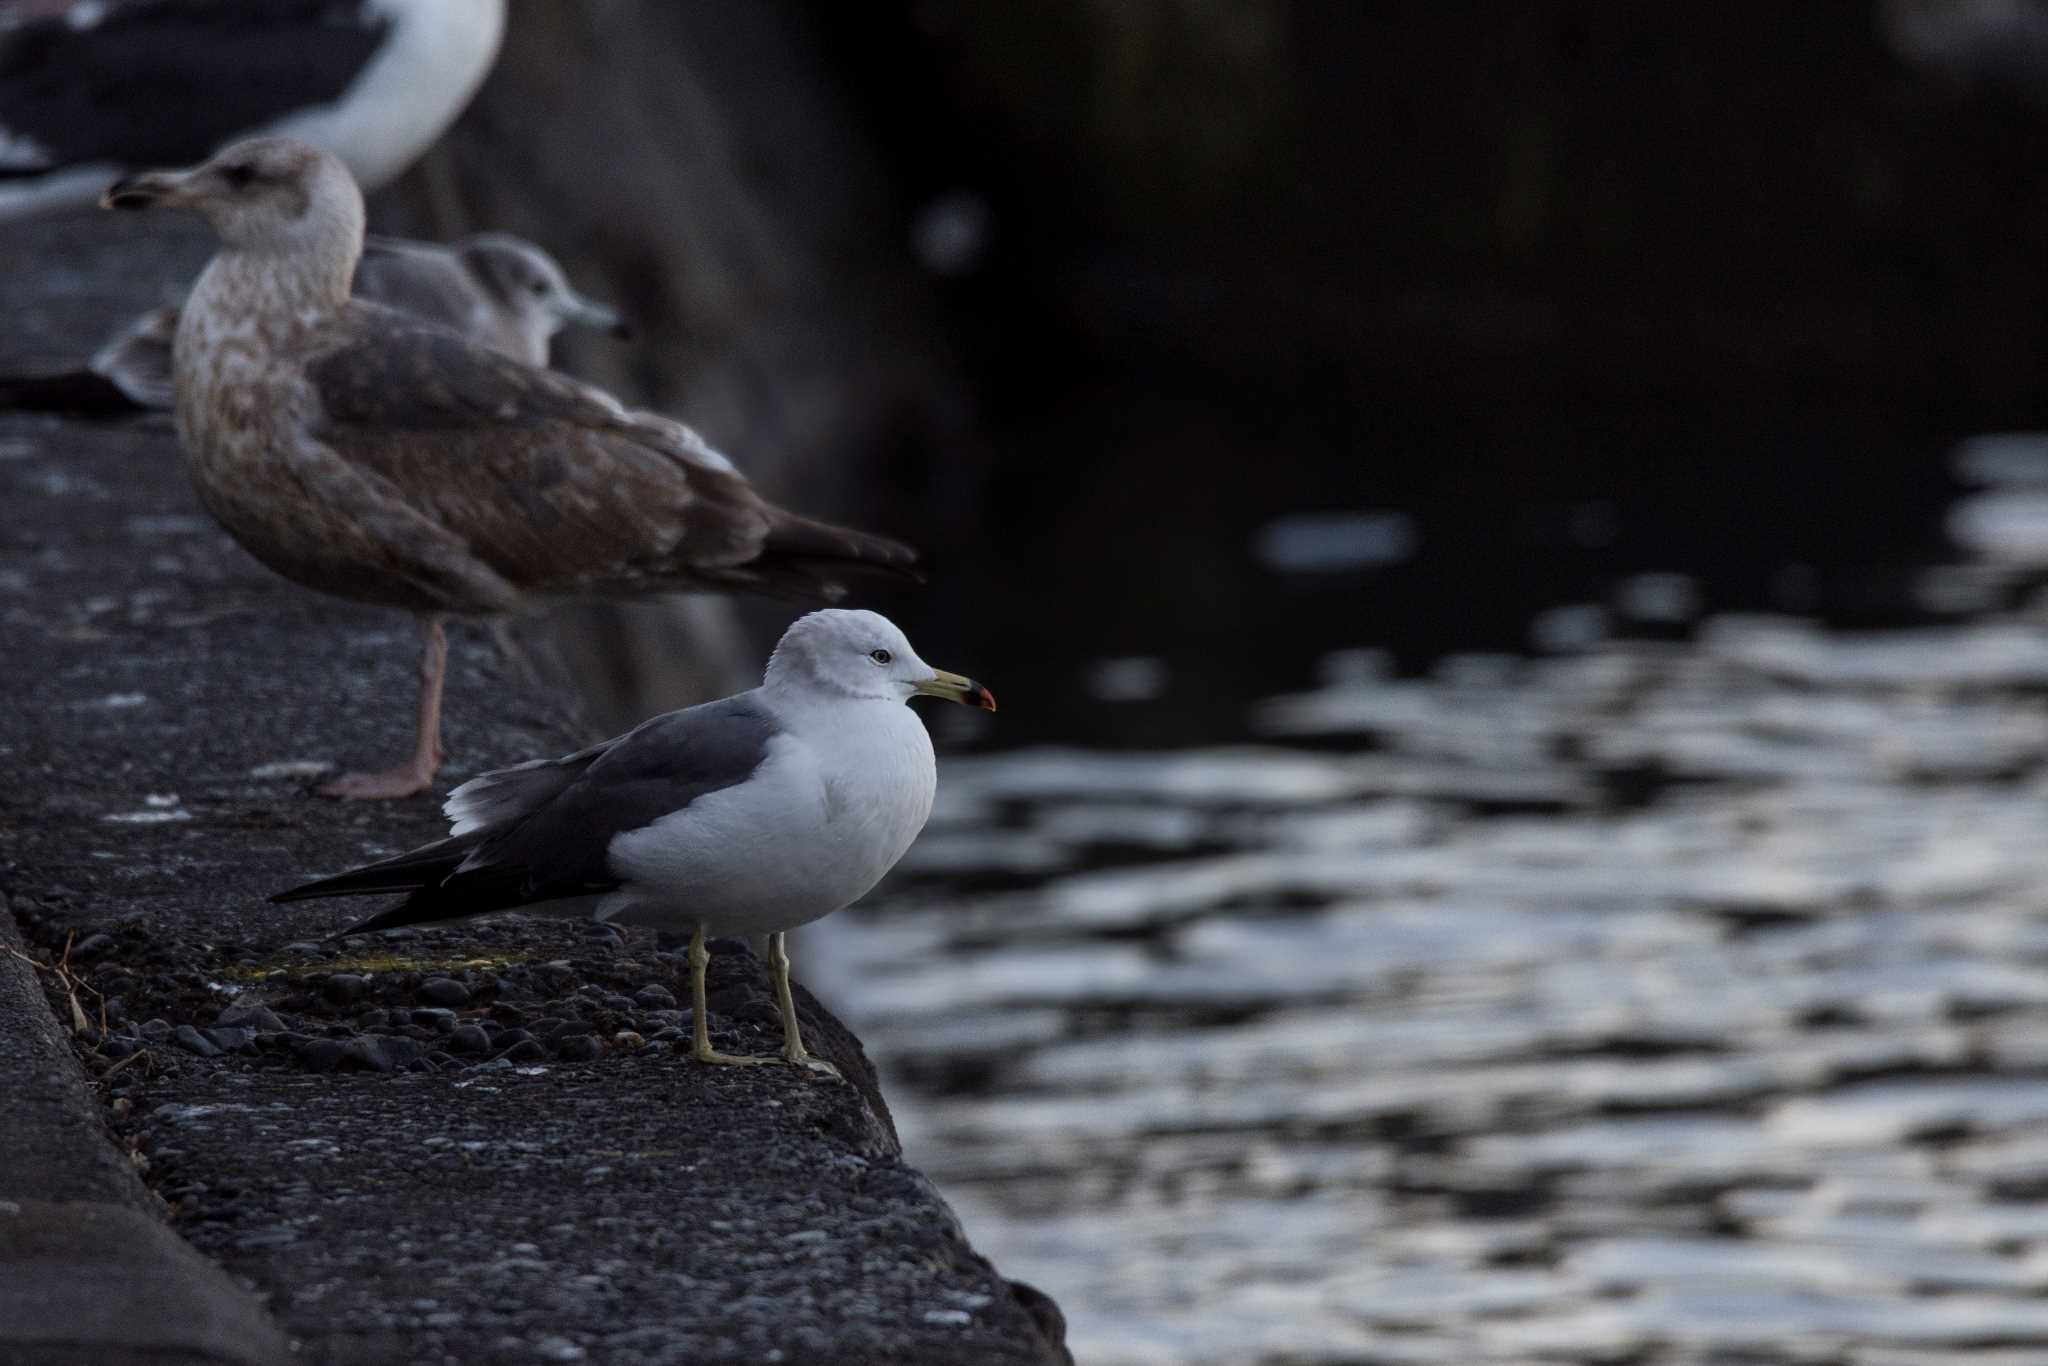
(1660, 1001)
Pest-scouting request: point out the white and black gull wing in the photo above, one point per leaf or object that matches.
(108, 86)
(541, 831)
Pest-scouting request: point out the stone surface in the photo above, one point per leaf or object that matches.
(88, 1273)
(94, 1284)
(171, 704)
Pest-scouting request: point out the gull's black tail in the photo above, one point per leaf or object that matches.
(421, 872)
(811, 559)
(80, 392)
(428, 866)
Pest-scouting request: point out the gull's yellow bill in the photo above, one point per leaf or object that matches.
(954, 688)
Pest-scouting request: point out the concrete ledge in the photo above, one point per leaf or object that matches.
(89, 1274)
(573, 1188)
(91, 1284)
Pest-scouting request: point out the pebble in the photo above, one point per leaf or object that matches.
(344, 987)
(232, 1038)
(437, 1018)
(192, 1041)
(654, 997)
(157, 1030)
(249, 1015)
(444, 991)
(92, 946)
(579, 1048)
(368, 1053)
(468, 1038)
(321, 1055)
(400, 1051)
(526, 1050)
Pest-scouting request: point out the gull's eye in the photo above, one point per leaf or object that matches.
(881, 656)
(537, 287)
(239, 175)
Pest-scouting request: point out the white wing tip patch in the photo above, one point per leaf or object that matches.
(468, 806)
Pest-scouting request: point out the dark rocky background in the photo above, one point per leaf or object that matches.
(1082, 296)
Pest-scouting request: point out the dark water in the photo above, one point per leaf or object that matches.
(1611, 931)
(1167, 527)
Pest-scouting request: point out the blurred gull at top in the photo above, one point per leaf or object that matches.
(2002, 44)
(97, 88)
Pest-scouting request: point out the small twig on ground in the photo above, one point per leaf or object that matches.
(81, 1023)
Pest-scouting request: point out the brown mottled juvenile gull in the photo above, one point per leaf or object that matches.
(498, 290)
(366, 454)
(106, 86)
(750, 815)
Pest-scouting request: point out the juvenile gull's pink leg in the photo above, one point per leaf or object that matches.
(417, 773)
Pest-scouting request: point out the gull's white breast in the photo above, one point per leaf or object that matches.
(835, 804)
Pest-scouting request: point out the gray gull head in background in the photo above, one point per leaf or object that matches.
(363, 453)
(110, 85)
(750, 815)
(498, 290)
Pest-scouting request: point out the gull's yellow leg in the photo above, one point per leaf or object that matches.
(700, 1021)
(793, 1050)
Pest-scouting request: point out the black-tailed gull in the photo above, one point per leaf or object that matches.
(750, 815)
(498, 290)
(105, 87)
(363, 453)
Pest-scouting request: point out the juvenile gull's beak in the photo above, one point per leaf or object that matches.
(954, 688)
(590, 313)
(146, 190)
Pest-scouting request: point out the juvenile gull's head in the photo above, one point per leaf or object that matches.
(269, 196)
(839, 652)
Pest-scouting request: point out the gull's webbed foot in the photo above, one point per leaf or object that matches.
(706, 1053)
(796, 1055)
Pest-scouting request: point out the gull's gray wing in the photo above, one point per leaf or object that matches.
(421, 278)
(541, 831)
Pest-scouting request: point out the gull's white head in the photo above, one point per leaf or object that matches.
(530, 285)
(849, 653)
(268, 195)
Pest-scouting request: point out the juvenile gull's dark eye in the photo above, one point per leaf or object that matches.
(881, 656)
(239, 174)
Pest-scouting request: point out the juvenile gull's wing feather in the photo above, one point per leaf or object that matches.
(552, 484)
(540, 832)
